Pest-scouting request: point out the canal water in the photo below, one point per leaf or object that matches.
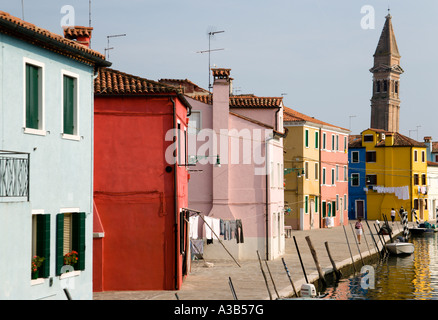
(413, 277)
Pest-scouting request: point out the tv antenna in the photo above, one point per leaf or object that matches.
(211, 34)
(22, 9)
(107, 49)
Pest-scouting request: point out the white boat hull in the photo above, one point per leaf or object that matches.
(400, 247)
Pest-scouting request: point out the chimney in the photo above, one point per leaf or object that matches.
(221, 114)
(428, 143)
(81, 35)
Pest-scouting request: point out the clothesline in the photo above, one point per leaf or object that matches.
(198, 213)
(400, 192)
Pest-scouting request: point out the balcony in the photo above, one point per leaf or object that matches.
(14, 176)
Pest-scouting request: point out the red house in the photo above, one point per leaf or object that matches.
(140, 184)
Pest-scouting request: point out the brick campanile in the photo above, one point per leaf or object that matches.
(385, 102)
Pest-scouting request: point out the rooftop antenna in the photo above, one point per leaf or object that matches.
(89, 13)
(210, 34)
(22, 9)
(107, 49)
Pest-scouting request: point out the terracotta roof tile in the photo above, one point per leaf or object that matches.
(290, 115)
(110, 81)
(434, 146)
(249, 101)
(355, 141)
(401, 141)
(43, 38)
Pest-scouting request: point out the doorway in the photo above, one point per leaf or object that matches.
(360, 206)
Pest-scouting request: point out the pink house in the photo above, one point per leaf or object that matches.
(334, 176)
(236, 171)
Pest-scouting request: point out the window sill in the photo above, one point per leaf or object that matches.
(71, 137)
(36, 281)
(37, 132)
(70, 274)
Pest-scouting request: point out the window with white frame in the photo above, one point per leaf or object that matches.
(70, 110)
(33, 96)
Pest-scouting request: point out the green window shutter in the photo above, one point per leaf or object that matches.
(32, 97)
(78, 241)
(316, 204)
(59, 243)
(316, 139)
(69, 89)
(43, 243)
(306, 138)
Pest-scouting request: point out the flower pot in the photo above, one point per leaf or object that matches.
(35, 275)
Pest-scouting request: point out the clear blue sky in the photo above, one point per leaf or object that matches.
(315, 51)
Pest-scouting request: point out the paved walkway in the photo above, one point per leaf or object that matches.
(211, 283)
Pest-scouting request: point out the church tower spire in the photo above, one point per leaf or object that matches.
(385, 102)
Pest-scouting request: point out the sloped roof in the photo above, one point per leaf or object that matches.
(244, 101)
(290, 115)
(110, 81)
(435, 146)
(399, 140)
(40, 37)
(387, 44)
(355, 141)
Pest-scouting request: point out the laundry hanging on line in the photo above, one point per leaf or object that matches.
(215, 227)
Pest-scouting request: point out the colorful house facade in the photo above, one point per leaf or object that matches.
(316, 163)
(396, 174)
(140, 184)
(46, 162)
(236, 170)
(357, 190)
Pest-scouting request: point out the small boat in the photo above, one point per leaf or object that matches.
(423, 228)
(400, 247)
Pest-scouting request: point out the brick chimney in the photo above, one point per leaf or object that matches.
(81, 35)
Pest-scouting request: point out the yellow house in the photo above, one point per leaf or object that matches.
(396, 171)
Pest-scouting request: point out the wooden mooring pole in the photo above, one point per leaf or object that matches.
(357, 244)
(338, 273)
(290, 279)
(315, 258)
(301, 261)
(374, 240)
(348, 243)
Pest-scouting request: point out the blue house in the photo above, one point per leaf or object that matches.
(357, 205)
(46, 161)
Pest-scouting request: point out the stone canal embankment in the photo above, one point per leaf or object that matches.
(210, 281)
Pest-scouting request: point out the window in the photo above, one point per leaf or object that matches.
(316, 170)
(194, 122)
(41, 242)
(377, 86)
(333, 142)
(323, 175)
(345, 202)
(70, 236)
(33, 97)
(306, 170)
(423, 156)
(345, 144)
(337, 172)
(333, 209)
(355, 179)
(396, 87)
(371, 179)
(368, 138)
(371, 156)
(306, 204)
(333, 176)
(345, 173)
(385, 85)
(423, 179)
(416, 204)
(324, 209)
(324, 141)
(416, 180)
(316, 139)
(70, 104)
(354, 156)
(316, 203)
(436, 158)
(337, 142)
(337, 202)
(415, 155)
(306, 138)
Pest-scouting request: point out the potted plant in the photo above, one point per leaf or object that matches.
(71, 258)
(36, 263)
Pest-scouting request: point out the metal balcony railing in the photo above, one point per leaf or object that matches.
(14, 174)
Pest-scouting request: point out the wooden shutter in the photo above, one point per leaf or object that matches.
(59, 243)
(67, 235)
(78, 239)
(32, 97)
(43, 243)
(69, 104)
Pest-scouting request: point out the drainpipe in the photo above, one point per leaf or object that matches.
(175, 167)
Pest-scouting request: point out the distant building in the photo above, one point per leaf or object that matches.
(357, 189)
(46, 162)
(316, 172)
(396, 174)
